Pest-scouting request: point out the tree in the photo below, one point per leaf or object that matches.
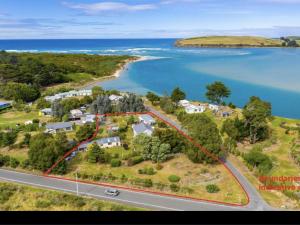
(131, 103)
(70, 104)
(259, 160)
(57, 109)
(177, 95)
(152, 97)
(256, 112)
(97, 91)
(84, 132)
(167, 105)
(41, 103)
(102, 105)
(205, 132)
(27, 138)
(216, 92)
(95, 153)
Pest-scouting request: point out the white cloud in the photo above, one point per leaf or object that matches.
(109, 6)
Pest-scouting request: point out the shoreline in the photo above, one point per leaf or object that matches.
(117, 74)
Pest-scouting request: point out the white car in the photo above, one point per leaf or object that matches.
(112, 192)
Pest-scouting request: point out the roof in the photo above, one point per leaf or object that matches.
(56, 126)
(76, 111)
(147, 118)
(47, 110)
(141, 128)
(4, 103)
(115, 97)
(102, 141)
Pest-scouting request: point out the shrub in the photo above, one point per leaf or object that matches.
(42, 204)
(147, 171)
(135, 160)
(6, 191)
(212, 188)
(174, 187)
(159, 167)
(174, 178)
(115, 163)
(14, 163)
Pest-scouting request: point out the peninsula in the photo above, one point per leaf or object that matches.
(236, 41)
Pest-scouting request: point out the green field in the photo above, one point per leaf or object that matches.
(229, 41)
(15, 197)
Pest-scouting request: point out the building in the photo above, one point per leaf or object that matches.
(46, 112)
(113, 128)
(191, 109)
(88, 118)
(76, 114)
(213, 107)
(115, 98)
(108, 142)
(142, 128)
(4, 105)
(69, 94)
(184, 103)
(147, 119)
(28, 122)
(54, 128)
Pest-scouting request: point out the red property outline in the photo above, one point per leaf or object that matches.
(201, 148)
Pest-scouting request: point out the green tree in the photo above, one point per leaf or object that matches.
(152, 97)
(259, 160)
(205, 132)
(167, 105)
(94, 153)
(177, 95)
(216, 92)
(256, 114)
(84, 132)
(97, 91)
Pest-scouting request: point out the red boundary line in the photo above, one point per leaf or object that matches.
(201, 148)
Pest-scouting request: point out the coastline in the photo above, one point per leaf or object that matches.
(117, 73)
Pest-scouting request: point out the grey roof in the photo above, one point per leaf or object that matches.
(56, 126)
(101, 141)
(49, 110)
(4, 103)
(141, 128)
(147, 118)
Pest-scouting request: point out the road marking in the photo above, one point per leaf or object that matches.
(89, 194)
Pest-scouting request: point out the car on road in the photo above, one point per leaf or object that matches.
(112, 192)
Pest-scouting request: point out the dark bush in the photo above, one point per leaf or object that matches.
(115, 163)
(135, 160)
(174, 187)
(212, 188)
(174, 178)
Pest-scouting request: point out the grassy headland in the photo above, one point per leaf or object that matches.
(229, 41)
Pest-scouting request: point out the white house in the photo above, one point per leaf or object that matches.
(115, 98)
(69, 94)
(213, 107)
(88, 118)
(109, 142)
(54, 128)
(28, 122)
(147, 119)
(76, 113)
(184, 103)
(142, 128)
(191, 109)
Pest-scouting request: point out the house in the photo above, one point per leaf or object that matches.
(115, 98)
(213, 107)
(69, 94)
(4, 105)
(28, 122)
(76, 114)
(88, 118)
(191, 109)
(108, 142)
(147, 119)
(46, 112)
(113, 128)
(184, 103)
(142, 128)
(58, 127)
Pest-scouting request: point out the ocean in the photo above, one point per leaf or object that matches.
(273, 74)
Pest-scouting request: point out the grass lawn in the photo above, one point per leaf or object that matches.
(11, 118)
(24, 198)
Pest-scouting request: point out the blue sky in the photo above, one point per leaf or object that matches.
(147, 18)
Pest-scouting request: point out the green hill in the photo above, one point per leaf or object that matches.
(229, 41)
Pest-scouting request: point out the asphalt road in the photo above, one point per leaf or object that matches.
(256, 201)
(139, 199)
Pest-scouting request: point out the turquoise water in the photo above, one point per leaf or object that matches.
(270, 73)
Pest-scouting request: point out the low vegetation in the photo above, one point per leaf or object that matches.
(231, 41)
(14, 197)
